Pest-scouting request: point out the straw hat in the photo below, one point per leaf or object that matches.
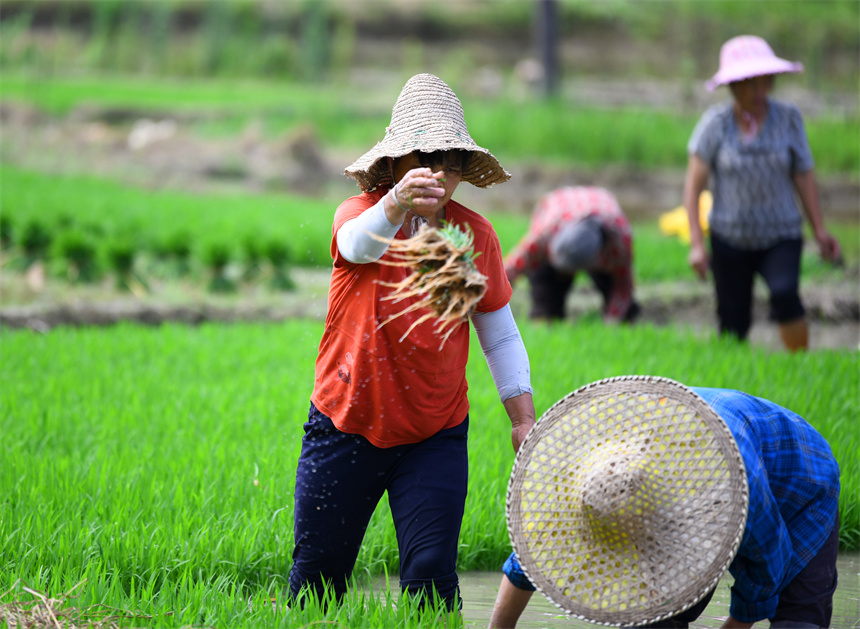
(746, 56)
(427, 117)
(627, 501)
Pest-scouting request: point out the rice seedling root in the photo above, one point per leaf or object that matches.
(443, 277)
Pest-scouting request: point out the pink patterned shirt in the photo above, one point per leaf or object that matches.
(572, 204)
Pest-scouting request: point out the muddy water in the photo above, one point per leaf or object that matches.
(479, 593)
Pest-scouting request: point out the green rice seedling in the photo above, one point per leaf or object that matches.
(548, 130)
(79, 251)
(7, 234)
(217, 256)
(253, 257)
(364, 609)
(167, 225)
(278, 254)
(98, 49)
(657, 257)
(187, 32)
(177, 249)
(158, 463)
(35, 240)
(121, 256)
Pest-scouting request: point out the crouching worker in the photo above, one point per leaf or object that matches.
(679, 485)
(572, 230)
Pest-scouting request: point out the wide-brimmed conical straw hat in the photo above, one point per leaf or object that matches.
(427, 117)
(627, 501)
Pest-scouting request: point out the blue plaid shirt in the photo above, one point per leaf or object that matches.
(794, 494)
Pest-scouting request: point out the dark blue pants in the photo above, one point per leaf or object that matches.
(806, 602)
(339, 481)
(734, 272)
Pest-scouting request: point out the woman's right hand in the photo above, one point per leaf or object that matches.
(695, 181)
(698, 260)
(420, 191)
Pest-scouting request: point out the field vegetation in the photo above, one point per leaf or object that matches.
(147, 472)
(320, 41)
(549, 130)
(225, 63)
(157, 464)
(119, 230)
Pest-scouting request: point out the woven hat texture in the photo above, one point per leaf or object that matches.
(627, 501)
(746, 56)
(428, 117)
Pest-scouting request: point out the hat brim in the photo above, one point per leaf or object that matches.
(686, 535)
(371, 169)
(753, 69)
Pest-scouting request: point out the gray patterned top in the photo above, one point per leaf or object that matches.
(754, 204)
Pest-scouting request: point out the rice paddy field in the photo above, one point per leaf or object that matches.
(107, 215)
(147, 472)
(151, 469)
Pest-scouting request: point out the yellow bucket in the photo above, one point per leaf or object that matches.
(675, 223)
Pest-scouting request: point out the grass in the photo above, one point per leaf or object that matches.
(553, 130)
(255, 38)
(151, 469)
(158, 463)
(111, 213)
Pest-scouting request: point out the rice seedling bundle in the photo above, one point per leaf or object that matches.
(443, 277)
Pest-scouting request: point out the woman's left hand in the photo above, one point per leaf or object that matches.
(828, 246)
(519, 433)
(521, 411)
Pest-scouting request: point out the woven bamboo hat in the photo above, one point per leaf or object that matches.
(427, 117)
(627, 501)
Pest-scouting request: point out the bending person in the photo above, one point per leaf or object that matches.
(785, 565)
(572, 230)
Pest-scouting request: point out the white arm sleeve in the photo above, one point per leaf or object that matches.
(353, 240)
(504, 350)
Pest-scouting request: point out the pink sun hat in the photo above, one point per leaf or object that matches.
(747, 56)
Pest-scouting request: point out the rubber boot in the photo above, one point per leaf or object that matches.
(795, 335)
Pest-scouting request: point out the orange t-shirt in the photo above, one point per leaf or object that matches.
(367, 381)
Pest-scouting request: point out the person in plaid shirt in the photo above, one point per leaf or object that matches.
(785, 566)
(577, 229)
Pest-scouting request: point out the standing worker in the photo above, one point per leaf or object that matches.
(389, 411)
(577, 229)
(755, 151)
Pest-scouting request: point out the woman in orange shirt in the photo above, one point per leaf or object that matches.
(392, 415)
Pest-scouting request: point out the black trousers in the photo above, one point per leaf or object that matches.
(734, 273)
(805, 603)
(549, 289)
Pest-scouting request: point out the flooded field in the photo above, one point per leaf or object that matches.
(479, 593)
